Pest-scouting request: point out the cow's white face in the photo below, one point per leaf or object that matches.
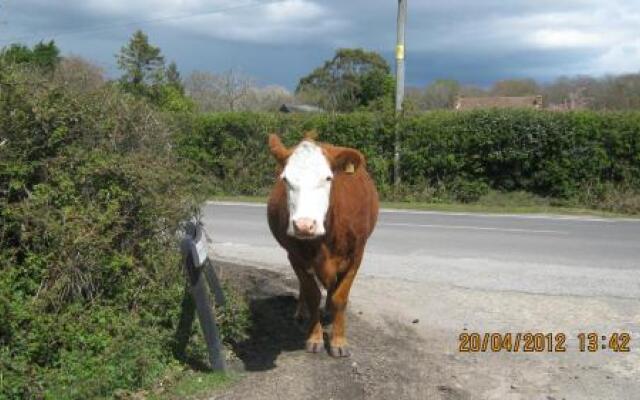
(307, 176)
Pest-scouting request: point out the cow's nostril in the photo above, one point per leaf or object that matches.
(305, 226)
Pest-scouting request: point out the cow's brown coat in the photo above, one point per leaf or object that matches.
(334, 258)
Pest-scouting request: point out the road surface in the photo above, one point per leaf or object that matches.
(463, 272)
(534, 254)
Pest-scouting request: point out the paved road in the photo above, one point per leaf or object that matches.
(486, 273)
(527, 253)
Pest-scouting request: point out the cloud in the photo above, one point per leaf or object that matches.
(275, 23)
(564, 38)
(475, 41)
(258, 21)
(620, 58)
(554, 38)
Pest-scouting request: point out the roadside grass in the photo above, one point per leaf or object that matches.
(492, 203)
(190, 385)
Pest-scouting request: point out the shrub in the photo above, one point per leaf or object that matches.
(445, 154)
(468, 191)
(91, 198)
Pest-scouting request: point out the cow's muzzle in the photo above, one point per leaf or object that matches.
(305, 228)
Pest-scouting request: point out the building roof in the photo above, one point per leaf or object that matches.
(474, 103)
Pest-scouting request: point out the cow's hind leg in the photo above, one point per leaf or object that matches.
(338, 303)
(311, 295)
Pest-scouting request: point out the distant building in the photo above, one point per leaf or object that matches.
(300, 108)
(476, 103)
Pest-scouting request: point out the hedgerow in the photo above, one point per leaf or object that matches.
(91, 199)
(445, 155)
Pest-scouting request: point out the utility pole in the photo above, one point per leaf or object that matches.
(402, 19)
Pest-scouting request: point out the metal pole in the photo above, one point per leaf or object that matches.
(402, 18)
(200, 294)
(199, 272)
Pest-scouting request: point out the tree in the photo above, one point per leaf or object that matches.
(201, 87)
(17, 54)
(441, 93)
(234, 87)
(44, 56)
(472, 91)
(352, 78)
(515, 87)
(268, 98)
(173, 78)
(79, 75)
(141, 62)
(233, 91)
(229, 91)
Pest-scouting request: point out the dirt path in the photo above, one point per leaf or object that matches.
(387, 363)
(404, 337)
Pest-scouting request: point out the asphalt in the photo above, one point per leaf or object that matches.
(443, 274)
(543, 254)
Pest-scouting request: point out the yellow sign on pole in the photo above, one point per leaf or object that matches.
(400, 52)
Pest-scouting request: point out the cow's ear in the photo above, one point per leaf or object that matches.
(280, 153)
(346, 160)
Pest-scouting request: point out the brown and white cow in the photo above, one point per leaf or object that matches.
(322, 210)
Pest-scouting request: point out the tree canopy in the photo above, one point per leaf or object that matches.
(173, 77)
(141, 62)
(43, 55)
(515, 87)
(352, 78)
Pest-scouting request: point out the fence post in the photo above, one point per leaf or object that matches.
(201, 277)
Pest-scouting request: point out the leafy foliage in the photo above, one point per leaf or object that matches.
(91, 197)
(173, 77)
(446, 155)
(141, 62)
(145, 75)
(44, 56)
(352, 78)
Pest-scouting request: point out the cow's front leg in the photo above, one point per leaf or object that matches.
(310, 295)
(338, 304)
(302, 311)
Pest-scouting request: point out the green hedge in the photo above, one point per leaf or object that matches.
(91, 198)
(463, 154)
(231, 147)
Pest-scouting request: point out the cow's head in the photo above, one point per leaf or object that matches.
(308, 171)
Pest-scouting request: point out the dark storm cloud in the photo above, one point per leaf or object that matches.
(473, 41)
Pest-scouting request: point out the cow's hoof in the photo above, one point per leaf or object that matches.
(314, 347)
(339, 351)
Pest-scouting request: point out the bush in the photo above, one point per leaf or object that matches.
(445, 154)
(231, 147)
(91, 198)
(468, 191)
(546, 153)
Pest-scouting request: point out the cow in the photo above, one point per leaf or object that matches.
(322, 209)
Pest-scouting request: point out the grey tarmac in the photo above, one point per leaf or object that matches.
(464, 272)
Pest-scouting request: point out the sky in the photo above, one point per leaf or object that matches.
(279, 41)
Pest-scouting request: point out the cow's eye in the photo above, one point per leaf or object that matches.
(286, 182)
(329, 178)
